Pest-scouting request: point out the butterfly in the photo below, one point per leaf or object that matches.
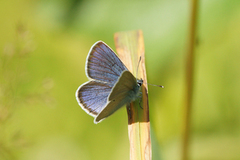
(111, 85)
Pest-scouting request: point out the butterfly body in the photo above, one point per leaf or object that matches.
(111, 85)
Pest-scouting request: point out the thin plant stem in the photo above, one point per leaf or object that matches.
(189, 79)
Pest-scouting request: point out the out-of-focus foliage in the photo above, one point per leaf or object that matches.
(43, 48)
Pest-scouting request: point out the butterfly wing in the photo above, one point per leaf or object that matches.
(92, 96)
(103, 64)
(124, 91)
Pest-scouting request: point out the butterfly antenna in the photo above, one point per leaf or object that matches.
(144, 82)
(155, 85)
(138, 66)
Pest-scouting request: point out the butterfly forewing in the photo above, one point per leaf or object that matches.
(103, 64)
(125, 91)
(92, 96)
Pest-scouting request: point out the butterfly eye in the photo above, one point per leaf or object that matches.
(139, 82)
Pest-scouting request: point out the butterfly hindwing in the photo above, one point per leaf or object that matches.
(92, 96)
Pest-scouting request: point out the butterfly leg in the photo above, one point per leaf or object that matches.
(140, 99)
(139, 102)
(129, 111)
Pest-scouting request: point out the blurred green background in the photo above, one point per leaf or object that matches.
(43, 48)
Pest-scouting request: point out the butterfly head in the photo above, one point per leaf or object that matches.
(139, 82)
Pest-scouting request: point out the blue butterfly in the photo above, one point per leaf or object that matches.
(111, 85)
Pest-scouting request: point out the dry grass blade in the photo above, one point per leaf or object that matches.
(130, 47)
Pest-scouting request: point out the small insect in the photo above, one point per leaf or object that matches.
(111, 85)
